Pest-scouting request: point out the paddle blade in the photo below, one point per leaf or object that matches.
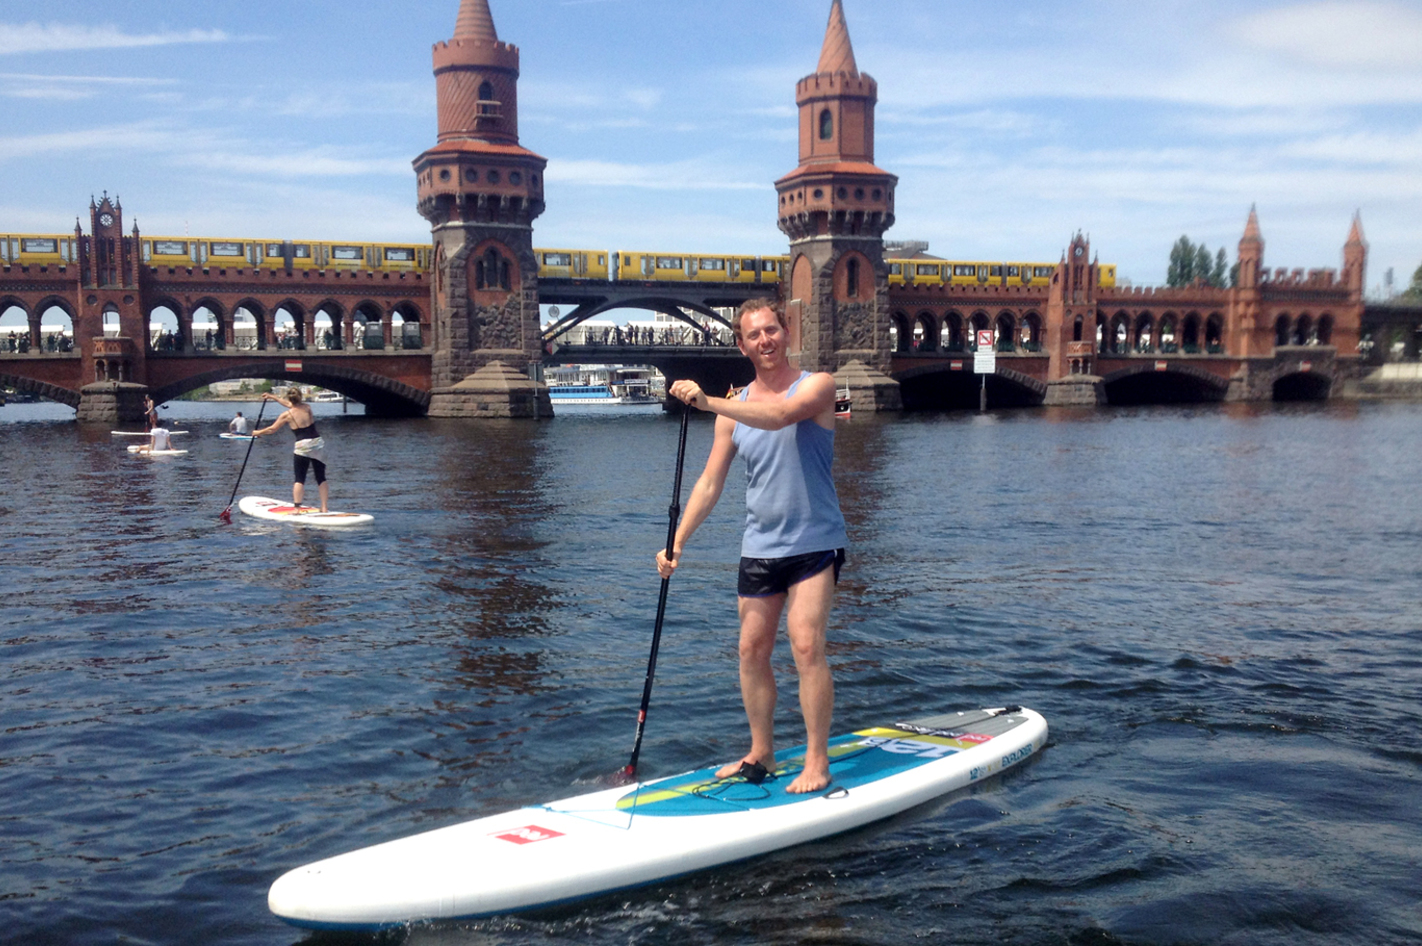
(226, 515)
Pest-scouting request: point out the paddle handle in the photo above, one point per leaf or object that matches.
(226, 515)
(673, 517)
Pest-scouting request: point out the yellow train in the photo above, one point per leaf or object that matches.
(284, 254)
(38, 249)
(919, 272)
(598, 265)
(695, 267)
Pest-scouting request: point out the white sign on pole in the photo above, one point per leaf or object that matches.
(985, 360)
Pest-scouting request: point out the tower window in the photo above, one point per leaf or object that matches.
(486, 92)
(491, 271)
(826, 125)
(851, 279)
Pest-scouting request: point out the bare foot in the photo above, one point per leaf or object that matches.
(734, 768)
(810, 780)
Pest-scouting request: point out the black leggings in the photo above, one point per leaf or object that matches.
(301, 464)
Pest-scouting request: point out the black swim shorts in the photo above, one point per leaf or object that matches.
(763, 577)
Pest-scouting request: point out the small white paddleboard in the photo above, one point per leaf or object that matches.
(625, 837)
(143, 433)
(263, 508)
(139, 448)
(236, 436)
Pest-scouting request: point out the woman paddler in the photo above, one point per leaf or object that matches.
(310, 449)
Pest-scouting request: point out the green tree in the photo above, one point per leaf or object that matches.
(1414, 291)
(1189, 262)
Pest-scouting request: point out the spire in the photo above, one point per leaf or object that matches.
(1251, 229)
(1355, 235)
(475, 22)
(838, 53)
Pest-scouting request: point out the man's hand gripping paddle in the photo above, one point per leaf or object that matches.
(629, 772)
(226, 515)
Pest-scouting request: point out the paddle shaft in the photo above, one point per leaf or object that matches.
(674, 515)
(256, 425)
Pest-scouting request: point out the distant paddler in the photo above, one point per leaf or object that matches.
(309, 450)
(239, 425)
(158, 440)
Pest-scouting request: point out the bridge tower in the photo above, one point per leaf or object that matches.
(1256, 338)
(114, 364)
(1071, 325)
(481, 192)
(835, 208)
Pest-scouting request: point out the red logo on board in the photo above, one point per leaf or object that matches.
(528, 834)
(973, 737)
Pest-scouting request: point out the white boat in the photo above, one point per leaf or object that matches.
(594, 394)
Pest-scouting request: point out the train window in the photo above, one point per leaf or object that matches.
(39, 246)
(748, 265)
(670, 262)
(996, 270)
(557, 259)
(965, 270)
(713, 264)
(1012, 270)
(601, 259)
(225, 249)
(626, 261)
(347, 253)
(769, 266)
(399, 254)
(173, 248)
(272, 249)
(923, 269)
(1042, 272)
(896, 269)
(301, 250)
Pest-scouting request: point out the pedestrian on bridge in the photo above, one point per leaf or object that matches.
(794, 542)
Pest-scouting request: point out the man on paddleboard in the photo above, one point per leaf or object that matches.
(239, 425)
(309, 449)
(158, 439)
(793, 548)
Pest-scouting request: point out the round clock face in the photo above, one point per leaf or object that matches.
(106, 219)
(1080, 250)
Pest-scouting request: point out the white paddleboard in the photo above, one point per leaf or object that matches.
(639, 834)
(280, 511)
(140, 448)
(236, 436)
(144, 433)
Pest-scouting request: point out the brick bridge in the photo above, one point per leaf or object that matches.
(455, 332)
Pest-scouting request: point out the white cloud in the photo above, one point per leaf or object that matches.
(1359, 34)
(684, 175)
(63, 37)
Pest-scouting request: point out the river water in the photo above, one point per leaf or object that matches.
(1216, 608)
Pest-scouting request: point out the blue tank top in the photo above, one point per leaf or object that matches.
(791, 505)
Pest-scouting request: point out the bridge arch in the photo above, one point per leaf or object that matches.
(1005, 331)
(215, 331)
(1149, 383)
(412, 326)
(334, 336)
(290, 311)
(383, 397)
(951, 334)
(1214, 333)
(1303, 386)
(937, 386)
(1325, 329)
(255, 312)
(1144, 333)
(367, 326)
(50, 392)
(925, 331)
(163, 315)
(673, 307)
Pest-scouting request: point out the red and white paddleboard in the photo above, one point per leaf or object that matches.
(279, 511)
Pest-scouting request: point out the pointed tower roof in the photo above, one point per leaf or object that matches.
(475, 22)
(1355, 235)
(838, 53)
(1251, 229)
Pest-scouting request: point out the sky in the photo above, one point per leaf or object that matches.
(1010, 126)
